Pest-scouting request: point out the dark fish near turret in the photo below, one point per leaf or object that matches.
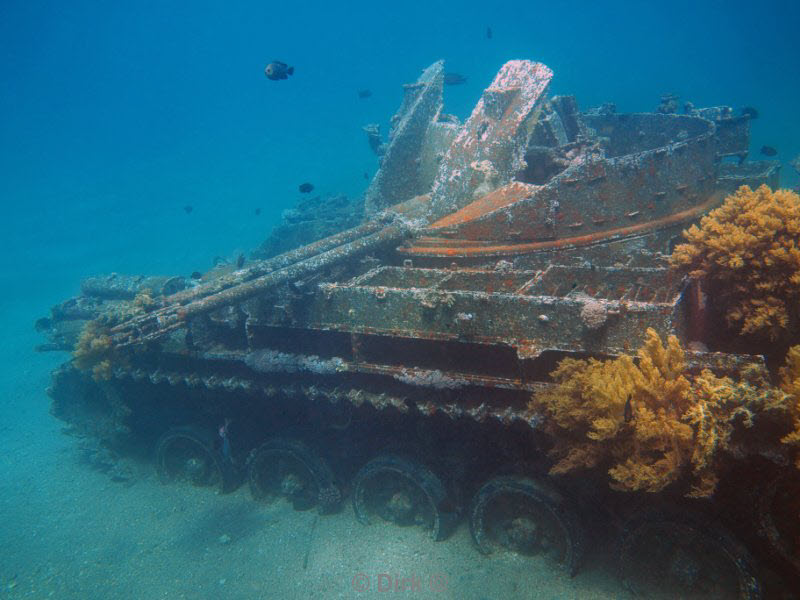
(749, 111)
(305, 188)
(454, 79)
(364, 94)
(768, 151)
(277, 70)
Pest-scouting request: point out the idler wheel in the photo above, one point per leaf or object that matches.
(669, 554)
(190, 454)
(401, 491)
(289, 469)
(779, 517)
(526, 516)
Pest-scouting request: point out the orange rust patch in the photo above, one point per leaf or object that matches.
(449, 247)
(500, 198)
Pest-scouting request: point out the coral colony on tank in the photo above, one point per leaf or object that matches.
(585, 323)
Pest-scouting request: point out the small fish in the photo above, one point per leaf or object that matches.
(277, 70)
(196, 275)
(454, 79)
(188, 209)
(226, 444)
(240, 261)
(258, 211)
(488, 33)
(306, 188)
(768, 151)
(749, 111)
(364, 94)
(366, 175)
(628, 410)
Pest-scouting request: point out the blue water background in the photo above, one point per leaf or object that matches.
(113, 116)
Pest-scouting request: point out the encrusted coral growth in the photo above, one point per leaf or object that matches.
(747, 252)
(736, 417)
(144, 302)
(790, 384)
(272, 361)
(594, 315)
(426, 378)
(648, 423)
(94, 351)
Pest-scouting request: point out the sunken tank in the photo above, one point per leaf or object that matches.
(392, 365)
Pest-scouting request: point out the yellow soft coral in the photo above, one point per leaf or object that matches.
(747, 252)
(621, 415)
(719, 408)
(648, 423)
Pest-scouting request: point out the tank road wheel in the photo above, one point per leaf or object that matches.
(189, 454)
(779, 517)
(671, 554)
(527, 516)
(289, 469)
(404, 492)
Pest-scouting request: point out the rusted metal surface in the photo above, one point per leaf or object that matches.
(155, 325)
(401, 176)
(733, 132)
(495, 200)
(125, 287)
(489, 149)
(542, 310)
(438, 139)
(273, 264)
(667, 168)
(357, 396)
(726, 363)
(559, 124)
(478, 405)
(732, 177)
(446, 247)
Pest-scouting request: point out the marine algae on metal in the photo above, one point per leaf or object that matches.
(94, 350)
(747, 254)
(650, 423)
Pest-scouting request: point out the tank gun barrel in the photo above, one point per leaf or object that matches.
(263, 276)
(281, 261)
